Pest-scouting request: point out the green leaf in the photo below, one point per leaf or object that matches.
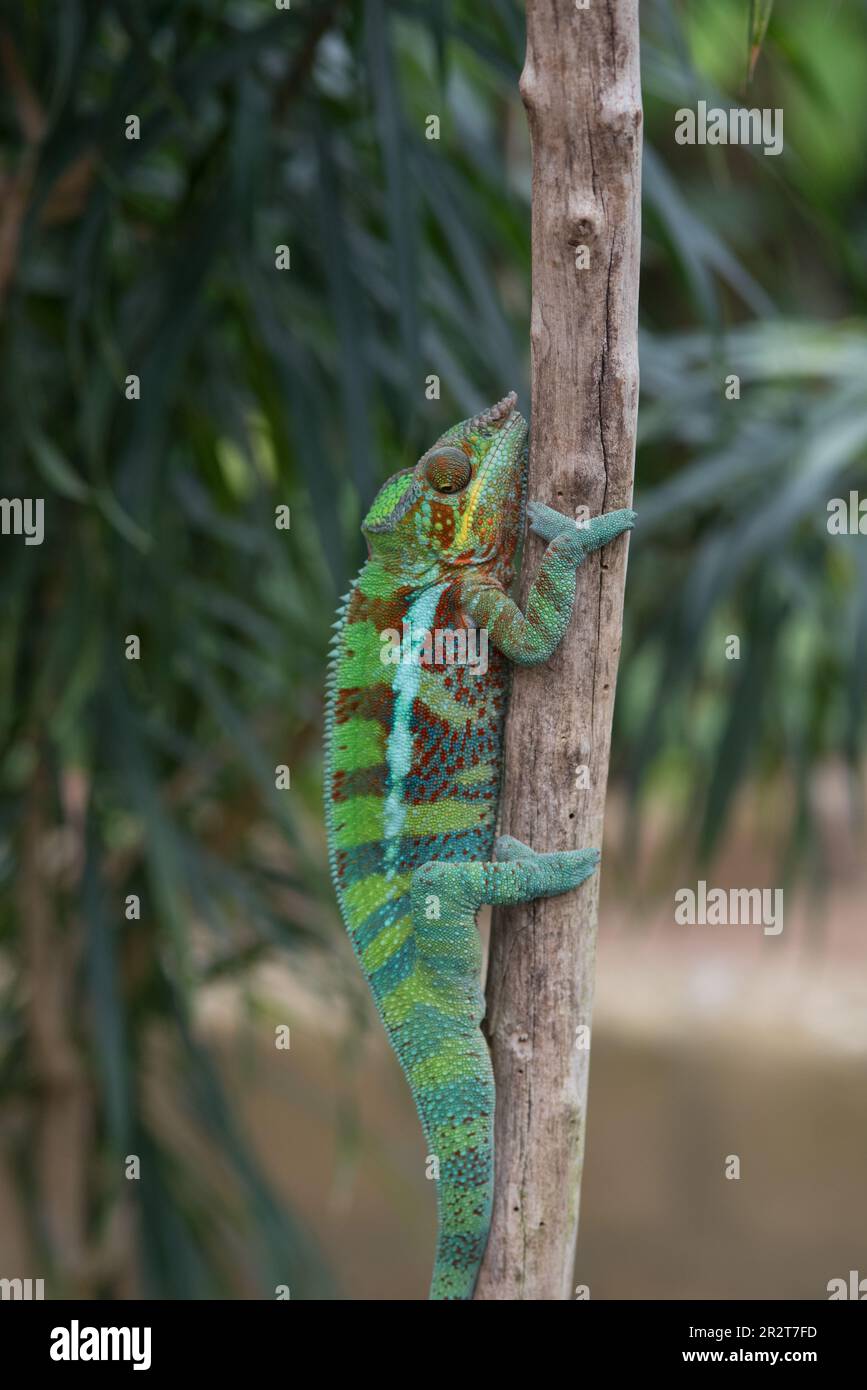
(399, 199)
(55, 469)
(760, 18)
(106, 1009)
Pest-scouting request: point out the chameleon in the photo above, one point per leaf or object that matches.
(413, 765)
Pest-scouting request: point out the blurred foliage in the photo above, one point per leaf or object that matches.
(760, 18)
(263, 388)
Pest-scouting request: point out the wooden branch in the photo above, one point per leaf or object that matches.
(63, 1108)
(581, 89)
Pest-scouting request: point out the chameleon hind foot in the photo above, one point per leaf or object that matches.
(517, 875)
(525, 873)
(578, 864)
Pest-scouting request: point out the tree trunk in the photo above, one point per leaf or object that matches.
(581, 88)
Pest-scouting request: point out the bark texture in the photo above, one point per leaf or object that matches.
(581, 89)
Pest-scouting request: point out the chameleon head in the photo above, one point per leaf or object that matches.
(463, 502)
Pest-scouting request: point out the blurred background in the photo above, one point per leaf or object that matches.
(166, 912)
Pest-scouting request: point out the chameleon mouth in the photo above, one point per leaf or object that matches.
(409, 497)
(502, 469)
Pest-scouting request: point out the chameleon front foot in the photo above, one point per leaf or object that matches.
(549, 524)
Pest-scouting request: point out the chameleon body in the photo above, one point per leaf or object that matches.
(412, 778)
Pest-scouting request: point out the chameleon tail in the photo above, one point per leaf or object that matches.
(458, 1120)
(454, 1085)
(431, 1002)
(428, 990)
(432, 1017)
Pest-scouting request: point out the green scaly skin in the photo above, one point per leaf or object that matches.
(412, 781)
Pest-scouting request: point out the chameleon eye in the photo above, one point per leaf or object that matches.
(448, 470)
